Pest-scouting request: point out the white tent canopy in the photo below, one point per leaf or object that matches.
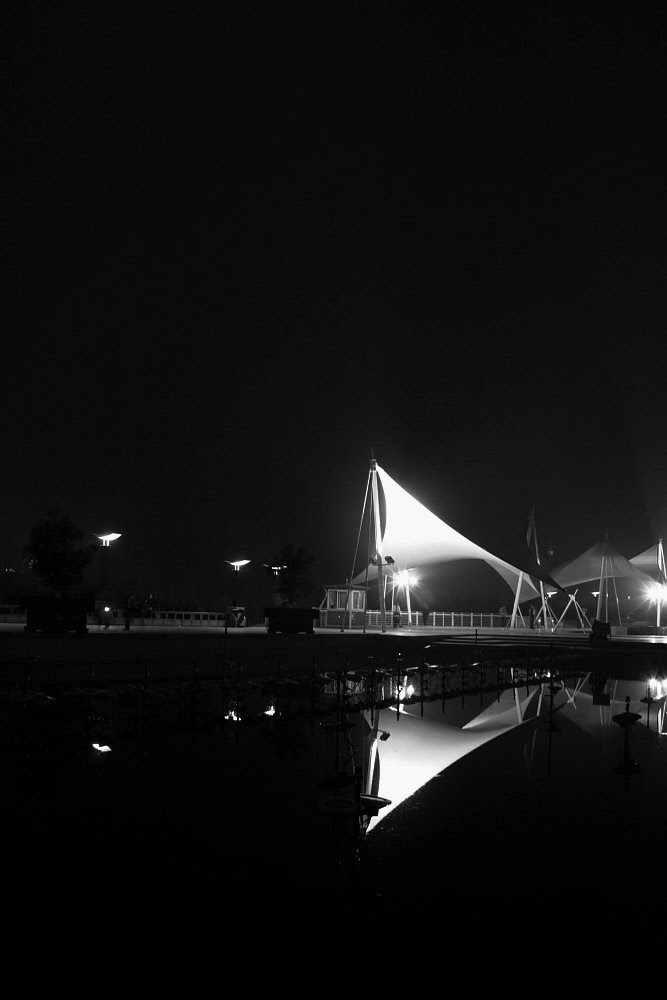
(605, 565)
(601, 561)
(414, 537)
(651, 560)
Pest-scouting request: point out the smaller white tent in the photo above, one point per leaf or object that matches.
(605, 566)
(651, 561)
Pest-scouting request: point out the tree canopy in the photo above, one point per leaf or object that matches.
(294, 564)
(55, 553)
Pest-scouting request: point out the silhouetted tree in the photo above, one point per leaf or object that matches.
(294, 584)
(55, 553)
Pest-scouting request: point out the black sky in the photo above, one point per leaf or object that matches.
(246, 243)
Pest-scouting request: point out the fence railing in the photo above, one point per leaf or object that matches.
(13, 614)
(208, 619)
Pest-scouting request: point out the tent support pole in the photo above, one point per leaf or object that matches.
(598, 613)
(368, 554)
(516, 600)
(348, 603)
(378, 543)
(545, 609)
(661, 570)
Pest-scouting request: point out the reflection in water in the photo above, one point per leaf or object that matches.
(180, 808)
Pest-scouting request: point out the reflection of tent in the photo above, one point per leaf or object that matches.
(414, 537)
(603, 564)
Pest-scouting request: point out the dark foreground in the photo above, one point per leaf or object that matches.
(201, 830)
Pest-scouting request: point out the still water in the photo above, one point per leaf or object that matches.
(308, 814)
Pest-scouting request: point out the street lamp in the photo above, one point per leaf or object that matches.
(404, 580)
(106, 541)
(657, 592)
(236, 563)
(274, 569)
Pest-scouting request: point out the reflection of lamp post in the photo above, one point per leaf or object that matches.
(106, 541)
(236, 563)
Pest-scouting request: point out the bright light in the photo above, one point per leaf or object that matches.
(410, 691)
(232, 716)
(271, 710)
(657, 687)
(595, 593)
(237, 563)
(107, 608)
(656, 592)
(101, 748)
(107, 539)
(406, 578)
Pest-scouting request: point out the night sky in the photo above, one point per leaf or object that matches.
(248, 243)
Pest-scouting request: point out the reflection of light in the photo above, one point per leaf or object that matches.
(101, 748)
(410, 690)
(232, 716)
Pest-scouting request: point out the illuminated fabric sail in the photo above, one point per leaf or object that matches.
(651, 560)
(601, 561)
(415, 537)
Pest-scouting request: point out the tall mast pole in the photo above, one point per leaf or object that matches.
(348, 601)
(537, 558)
(378, 540)
(661, 569)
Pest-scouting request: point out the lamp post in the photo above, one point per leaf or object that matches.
(106, 541)
(276, 571)
(659, 594)
(236, 564)
(404, 581)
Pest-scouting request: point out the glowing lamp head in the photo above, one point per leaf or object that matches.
(237, 563)
(107, 539)
(656, 592)
(406, 578)
(276, 570)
